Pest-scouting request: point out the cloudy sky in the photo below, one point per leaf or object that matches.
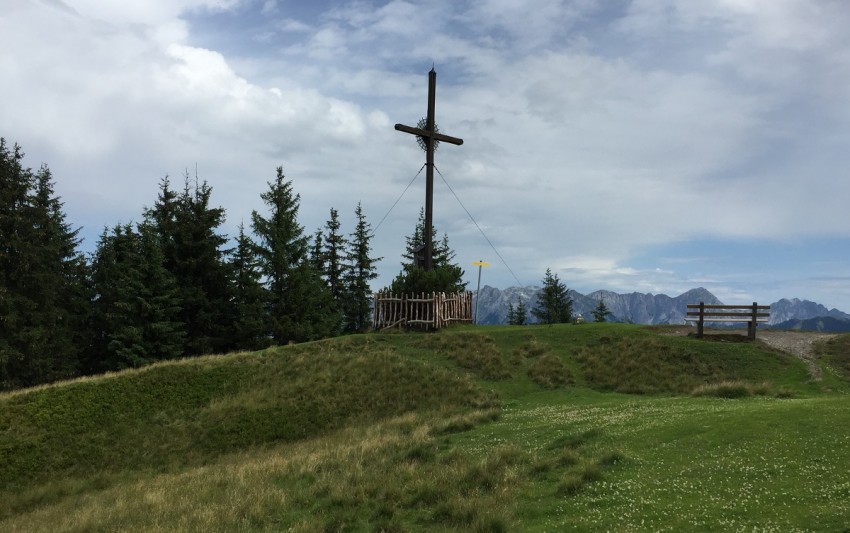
(630, 145)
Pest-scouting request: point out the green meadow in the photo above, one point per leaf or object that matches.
(592, 427)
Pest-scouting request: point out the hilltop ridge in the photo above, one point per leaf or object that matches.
(466, 429)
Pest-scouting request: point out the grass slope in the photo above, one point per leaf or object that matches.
(597, 429)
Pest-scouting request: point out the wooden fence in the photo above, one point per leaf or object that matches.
(435, 310)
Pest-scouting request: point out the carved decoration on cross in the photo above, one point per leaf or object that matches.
(430, 136)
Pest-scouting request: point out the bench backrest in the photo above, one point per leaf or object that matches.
(734, 311)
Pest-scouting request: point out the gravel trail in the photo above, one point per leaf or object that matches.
(798, 343)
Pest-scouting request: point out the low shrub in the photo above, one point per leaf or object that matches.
(611, 458)
(465, 422)
(476, 353)
(570, 484)
(574, 440)
(671, 365)
(550, 372)
(531, 348)
(566, 457)
(836, 353)
(732, 389)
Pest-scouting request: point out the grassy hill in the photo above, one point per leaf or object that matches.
(590, 427)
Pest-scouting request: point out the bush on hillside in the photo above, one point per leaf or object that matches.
(641, 365)
(836, 353)
(476, 353)
(549, 372)
(732, 389)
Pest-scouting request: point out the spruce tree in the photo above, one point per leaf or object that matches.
(61, 284)
(517, 315)
(445, 276)
(15, 185)
(193, 252)
(247, 331)
(317, 251)
(108, 272)
(300, 306)
(520, 314)
(554, 304)
(42, 278)
(164, 335)
(601, 312)
(17, 258)
(360, 270)
(136, 309)
(163, 218)
(335, 250)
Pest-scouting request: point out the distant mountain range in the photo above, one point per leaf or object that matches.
(640, 308)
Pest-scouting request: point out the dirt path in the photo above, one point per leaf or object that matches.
(799, 343)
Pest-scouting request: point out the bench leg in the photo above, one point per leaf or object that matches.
(699, 328)
(751, 330)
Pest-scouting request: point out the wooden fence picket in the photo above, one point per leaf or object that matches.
(435, 310)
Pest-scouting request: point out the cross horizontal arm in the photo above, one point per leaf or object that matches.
(425, 133)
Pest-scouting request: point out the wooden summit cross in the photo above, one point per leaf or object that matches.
(429, 136)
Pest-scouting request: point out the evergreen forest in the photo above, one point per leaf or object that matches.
(170, 286)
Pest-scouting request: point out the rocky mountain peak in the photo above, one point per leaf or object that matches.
(638, 308)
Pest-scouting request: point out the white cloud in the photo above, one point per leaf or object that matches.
(147, 12)
(293, 25)
(269, 7)
(523, 27)
(590, 133)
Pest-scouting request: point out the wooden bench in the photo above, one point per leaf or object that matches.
(751, 314)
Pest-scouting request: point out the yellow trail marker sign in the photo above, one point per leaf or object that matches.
(479, 264)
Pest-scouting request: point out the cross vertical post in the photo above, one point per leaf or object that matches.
(430, 136)
(429, 172)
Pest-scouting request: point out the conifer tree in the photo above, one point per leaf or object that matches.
(517, 316)
(42, 278)
(193, 252)
(445, 276)
(601, 312)
(521, 313)
(15, 185)
(360, 270)
(163, 218)
(61, 284)
(520, 317)
(335, 250)
(16, 259)
(317, 251)
(554, 304)
(248, 322)
(299, 304)
(136, 304)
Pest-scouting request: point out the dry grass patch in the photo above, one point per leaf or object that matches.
(549, 372)
(530, 348)
(379, 477)
(739, 389)
(477, 353)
